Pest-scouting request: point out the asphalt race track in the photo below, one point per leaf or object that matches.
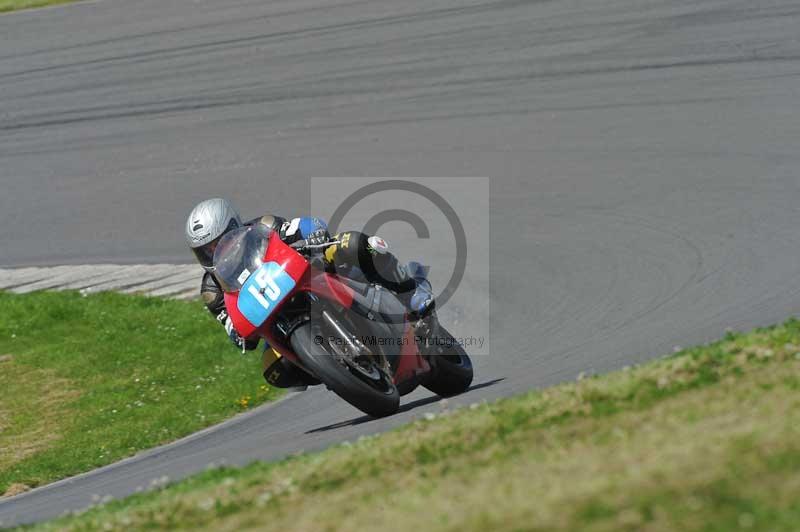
(644, 159)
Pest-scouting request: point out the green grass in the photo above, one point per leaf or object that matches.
(706, 440)
(15, 5)
(85, 381)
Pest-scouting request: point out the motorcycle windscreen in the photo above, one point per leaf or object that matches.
(239, 254)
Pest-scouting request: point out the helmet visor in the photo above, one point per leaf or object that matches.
(205, 253)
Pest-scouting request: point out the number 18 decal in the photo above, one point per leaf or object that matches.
(263, 291)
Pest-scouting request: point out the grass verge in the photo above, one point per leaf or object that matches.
(708, 439)
(16, 5)
(86, 381)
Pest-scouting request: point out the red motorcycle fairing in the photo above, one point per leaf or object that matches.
(291, 262)
(307, 279)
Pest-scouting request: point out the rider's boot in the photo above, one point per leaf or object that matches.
(420, 301)
(409, 281)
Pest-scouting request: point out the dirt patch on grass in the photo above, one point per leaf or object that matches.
(16, 489)
(33, 411)
(3, 411)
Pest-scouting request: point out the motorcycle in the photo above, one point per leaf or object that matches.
(355, 337)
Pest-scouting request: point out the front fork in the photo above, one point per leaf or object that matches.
(424, 330)
(355, 346)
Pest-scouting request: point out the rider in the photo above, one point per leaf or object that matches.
(213, 218)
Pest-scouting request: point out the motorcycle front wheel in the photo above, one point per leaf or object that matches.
(366, 387)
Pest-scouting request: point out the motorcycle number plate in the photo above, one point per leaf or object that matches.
(263, 291)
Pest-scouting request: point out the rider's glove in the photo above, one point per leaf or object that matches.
(318, 237)
(238, 341)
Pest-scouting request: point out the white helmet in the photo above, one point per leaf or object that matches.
(208, 221)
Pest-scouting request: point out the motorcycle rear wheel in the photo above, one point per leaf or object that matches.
(452, 367)
(372, 392)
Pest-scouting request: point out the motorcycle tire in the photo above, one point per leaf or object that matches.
(377, 397)
(452, 373)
